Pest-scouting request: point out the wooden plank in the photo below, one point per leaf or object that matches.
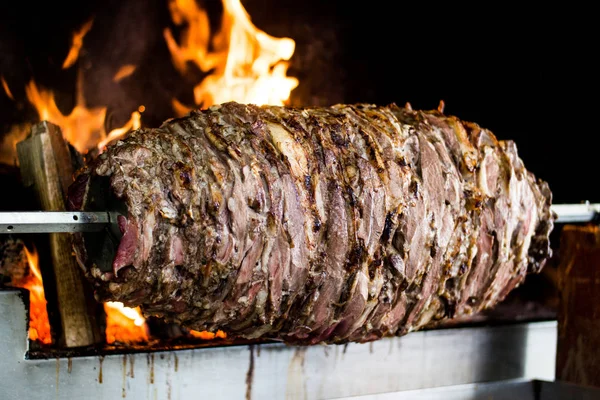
(578, 347)
(45, 164)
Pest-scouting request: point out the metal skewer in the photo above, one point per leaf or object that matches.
(95, 221)
(55, 221)
(571, 213)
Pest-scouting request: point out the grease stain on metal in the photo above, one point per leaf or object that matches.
(100, 361)
(57, 374)
(371, 347)
(131, 362)
(69, 364)
(168, 373)
(150, 359)
(336, 355)
(345, 348)
(176, 362)
(124, 388)
(296, 382)
(250, 374)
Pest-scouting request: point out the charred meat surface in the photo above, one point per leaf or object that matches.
(316, 225)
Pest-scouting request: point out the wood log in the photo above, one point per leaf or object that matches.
(578, 347)
(46, 164)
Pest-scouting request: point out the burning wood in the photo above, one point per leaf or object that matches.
(46, 165)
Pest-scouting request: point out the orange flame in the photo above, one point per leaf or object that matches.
(124, 72)
(117, 133)
(39, 324)
(248, 66)
(124, 324)
(205, 335)
(6, 88)
(83, 127)
(76, 44)
(243, 63)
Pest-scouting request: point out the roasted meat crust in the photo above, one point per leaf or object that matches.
(332, 224)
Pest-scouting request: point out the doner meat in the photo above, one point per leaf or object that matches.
(315, 225)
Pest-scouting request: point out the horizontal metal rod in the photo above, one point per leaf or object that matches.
(572, 213)
(54, 221)
(88, 221)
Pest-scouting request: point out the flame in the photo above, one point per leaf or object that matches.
(124, 72)
(6, 88)
(242, 64)
(205, 335)
(124, 324)
(39, 324)
(84, 127)
(133, 124)
(245, 64)
(76, 44)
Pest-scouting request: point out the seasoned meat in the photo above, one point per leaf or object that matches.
(332, 224)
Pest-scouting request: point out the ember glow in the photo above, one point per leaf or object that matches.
(205, 335)
(248, 66)
(39, 325)
(124, 324)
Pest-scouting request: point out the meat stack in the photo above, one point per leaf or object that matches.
(317, 225)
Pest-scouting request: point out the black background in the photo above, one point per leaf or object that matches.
(527, 73)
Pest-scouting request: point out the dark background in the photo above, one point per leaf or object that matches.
(527, 74)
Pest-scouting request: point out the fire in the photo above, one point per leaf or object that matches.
(84, 127)
(124, 72)
(76, 44)
(124, 324)
(243, 64)
(248, 66)
(39, 324)
(133, 124)
(6, 88)
(205, 335)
